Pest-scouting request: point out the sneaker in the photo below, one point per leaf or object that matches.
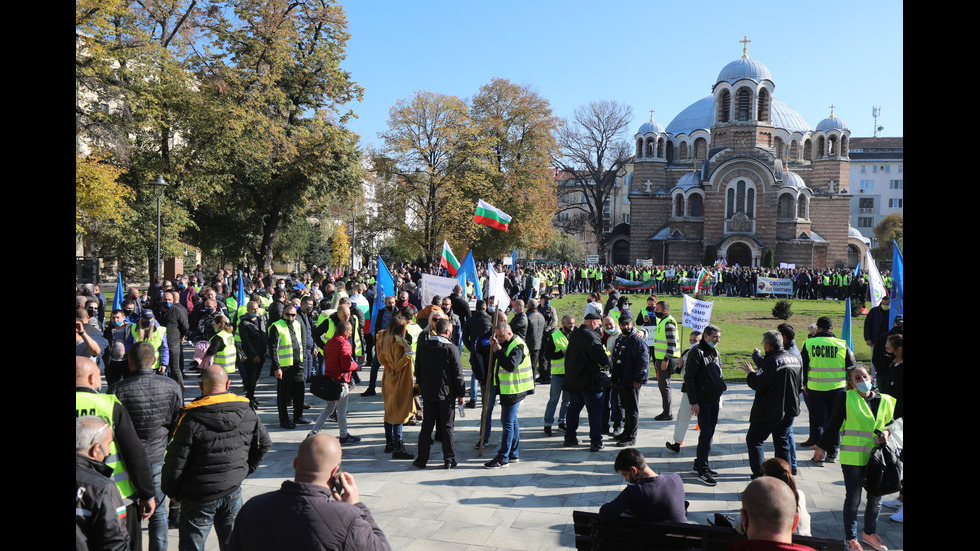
(892, 503)
(547, 431)
(830, 459)
(449, 464)
(561, 427)
(419, 463)
(697, 471)
(313, 433)
(471, 404)
(513, 459)
(874, 541)
(664, 417)
(288, 425)
(494, 464)
(820, 464)
(674, 447)
(307, 406)
(369, 392)
(626, 443)
(477, 445)
(333, 416)
(811, 444)
(303, 421)
(596, 447)
(617, 432)
(349, 439)
(853, 545)
(899, 516)
(706, 479)
(402, 453)
(570, 443)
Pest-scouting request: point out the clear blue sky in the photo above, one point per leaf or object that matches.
(647, 54)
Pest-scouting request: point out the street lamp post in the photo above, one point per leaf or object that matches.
(159, 187)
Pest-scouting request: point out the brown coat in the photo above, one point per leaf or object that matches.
(397, 379)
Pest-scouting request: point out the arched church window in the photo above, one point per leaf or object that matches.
(843, 146)
(724, 106)
(683, 150)
(794, 151)
(784, 208)
(744, 105)
(679, 206)
(763, 114)
(649, 147)
(670, 151)
(820, 146)
(660, 148)
(741, 198)
(779, 147)
(807, 150)
(639, 147)
(695, 206)
(801, 208)
(700, 149)
(832, 145)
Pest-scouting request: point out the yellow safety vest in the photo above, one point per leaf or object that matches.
(827, 356)
(285, 347)
(561, 344)
(660, 339)
(101, 405)
(522, 378)
(226, 356)
(156, 339)
(857, 434)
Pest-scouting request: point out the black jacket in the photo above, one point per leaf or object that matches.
(478, 324)
(218, 442)
(254, 341)
(153, 402)
(98, 524)
(702, 377)
(535, 330)
(777, 388)
(301, 515)
(584, 359)
(439, 370)
(634, 360)
(519, 325)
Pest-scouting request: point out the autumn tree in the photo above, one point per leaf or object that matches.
(890, 228)
(592, 150)
(518, 130)
(432, 155)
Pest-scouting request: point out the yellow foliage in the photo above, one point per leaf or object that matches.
(339, 246)
(99, 197)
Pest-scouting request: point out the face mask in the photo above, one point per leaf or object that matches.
(207, 310)
(610, 331)
(863, 387)
(661, 315)
(885, 307)
(168, 304)
(128, 313)
(491, 309)
(117, 324)
(711, 344)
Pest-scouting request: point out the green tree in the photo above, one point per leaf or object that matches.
(890, 227)
(592, 149)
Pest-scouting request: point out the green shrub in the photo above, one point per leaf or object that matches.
(782, 310)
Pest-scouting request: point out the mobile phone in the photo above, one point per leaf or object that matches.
(337, 484)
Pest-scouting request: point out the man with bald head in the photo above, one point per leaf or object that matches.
(217, 443)
(769, 516)
(130, 469)
(100, 516)
(319, 509)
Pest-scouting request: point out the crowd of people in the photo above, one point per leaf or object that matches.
(315, 329)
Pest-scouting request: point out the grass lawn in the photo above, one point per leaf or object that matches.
(742, 322)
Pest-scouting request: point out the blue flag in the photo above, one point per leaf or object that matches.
(857, 269)
(845, 330)
(240, 295)
(384, 288)
(467, 272)
(117, 300)
(513, 259)
(897, 291)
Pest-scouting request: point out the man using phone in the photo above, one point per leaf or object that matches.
(332, 515)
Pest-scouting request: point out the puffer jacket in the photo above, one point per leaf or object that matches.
(218, 442)
(153, 402)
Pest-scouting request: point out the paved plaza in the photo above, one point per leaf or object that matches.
(528, 505)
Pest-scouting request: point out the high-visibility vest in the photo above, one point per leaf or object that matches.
(227, 356)
(561, 345)
(522, 378)
(827, 356)
(857, 434)
(414, 330)
(660, 339)
(284, 349)
(101, 405)
(156, 339)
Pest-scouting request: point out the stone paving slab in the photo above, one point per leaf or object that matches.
(529, 504)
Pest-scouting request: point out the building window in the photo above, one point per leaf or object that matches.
(700, 148)
(801, 208)
(683, 150)
(763, 114)
(784, 208)
(867, 184)
(864, 169)
(866, 204)
(894, 203)
(724, 106)
(695, 206)
(744, 105)
(888, 169)
(741, 198)
(899, 169)
(896, 184)
(874, 169)
(679, 206)
(866, 222)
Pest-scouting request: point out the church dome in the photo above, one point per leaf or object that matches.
(744, 68)
(689, 180)
(793, 180)
(831, 123)
(700, 116)
(651, 128)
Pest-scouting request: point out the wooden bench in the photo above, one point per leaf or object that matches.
(626, 534)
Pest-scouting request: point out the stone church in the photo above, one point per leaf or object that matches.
(742, 172)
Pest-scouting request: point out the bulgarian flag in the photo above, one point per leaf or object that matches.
(449, 259)
(489, 215)
(701, 278)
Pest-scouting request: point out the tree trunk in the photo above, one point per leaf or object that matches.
(269, 229)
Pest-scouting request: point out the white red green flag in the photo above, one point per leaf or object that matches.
(701, 279)
(489, 215)
(449, 259)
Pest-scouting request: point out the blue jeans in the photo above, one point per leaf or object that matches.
(510, 439)
(591, 401)
(158, 522)
(707, 419)
(852, 500)
(756, 436)
(197, 517)
(553, 398)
